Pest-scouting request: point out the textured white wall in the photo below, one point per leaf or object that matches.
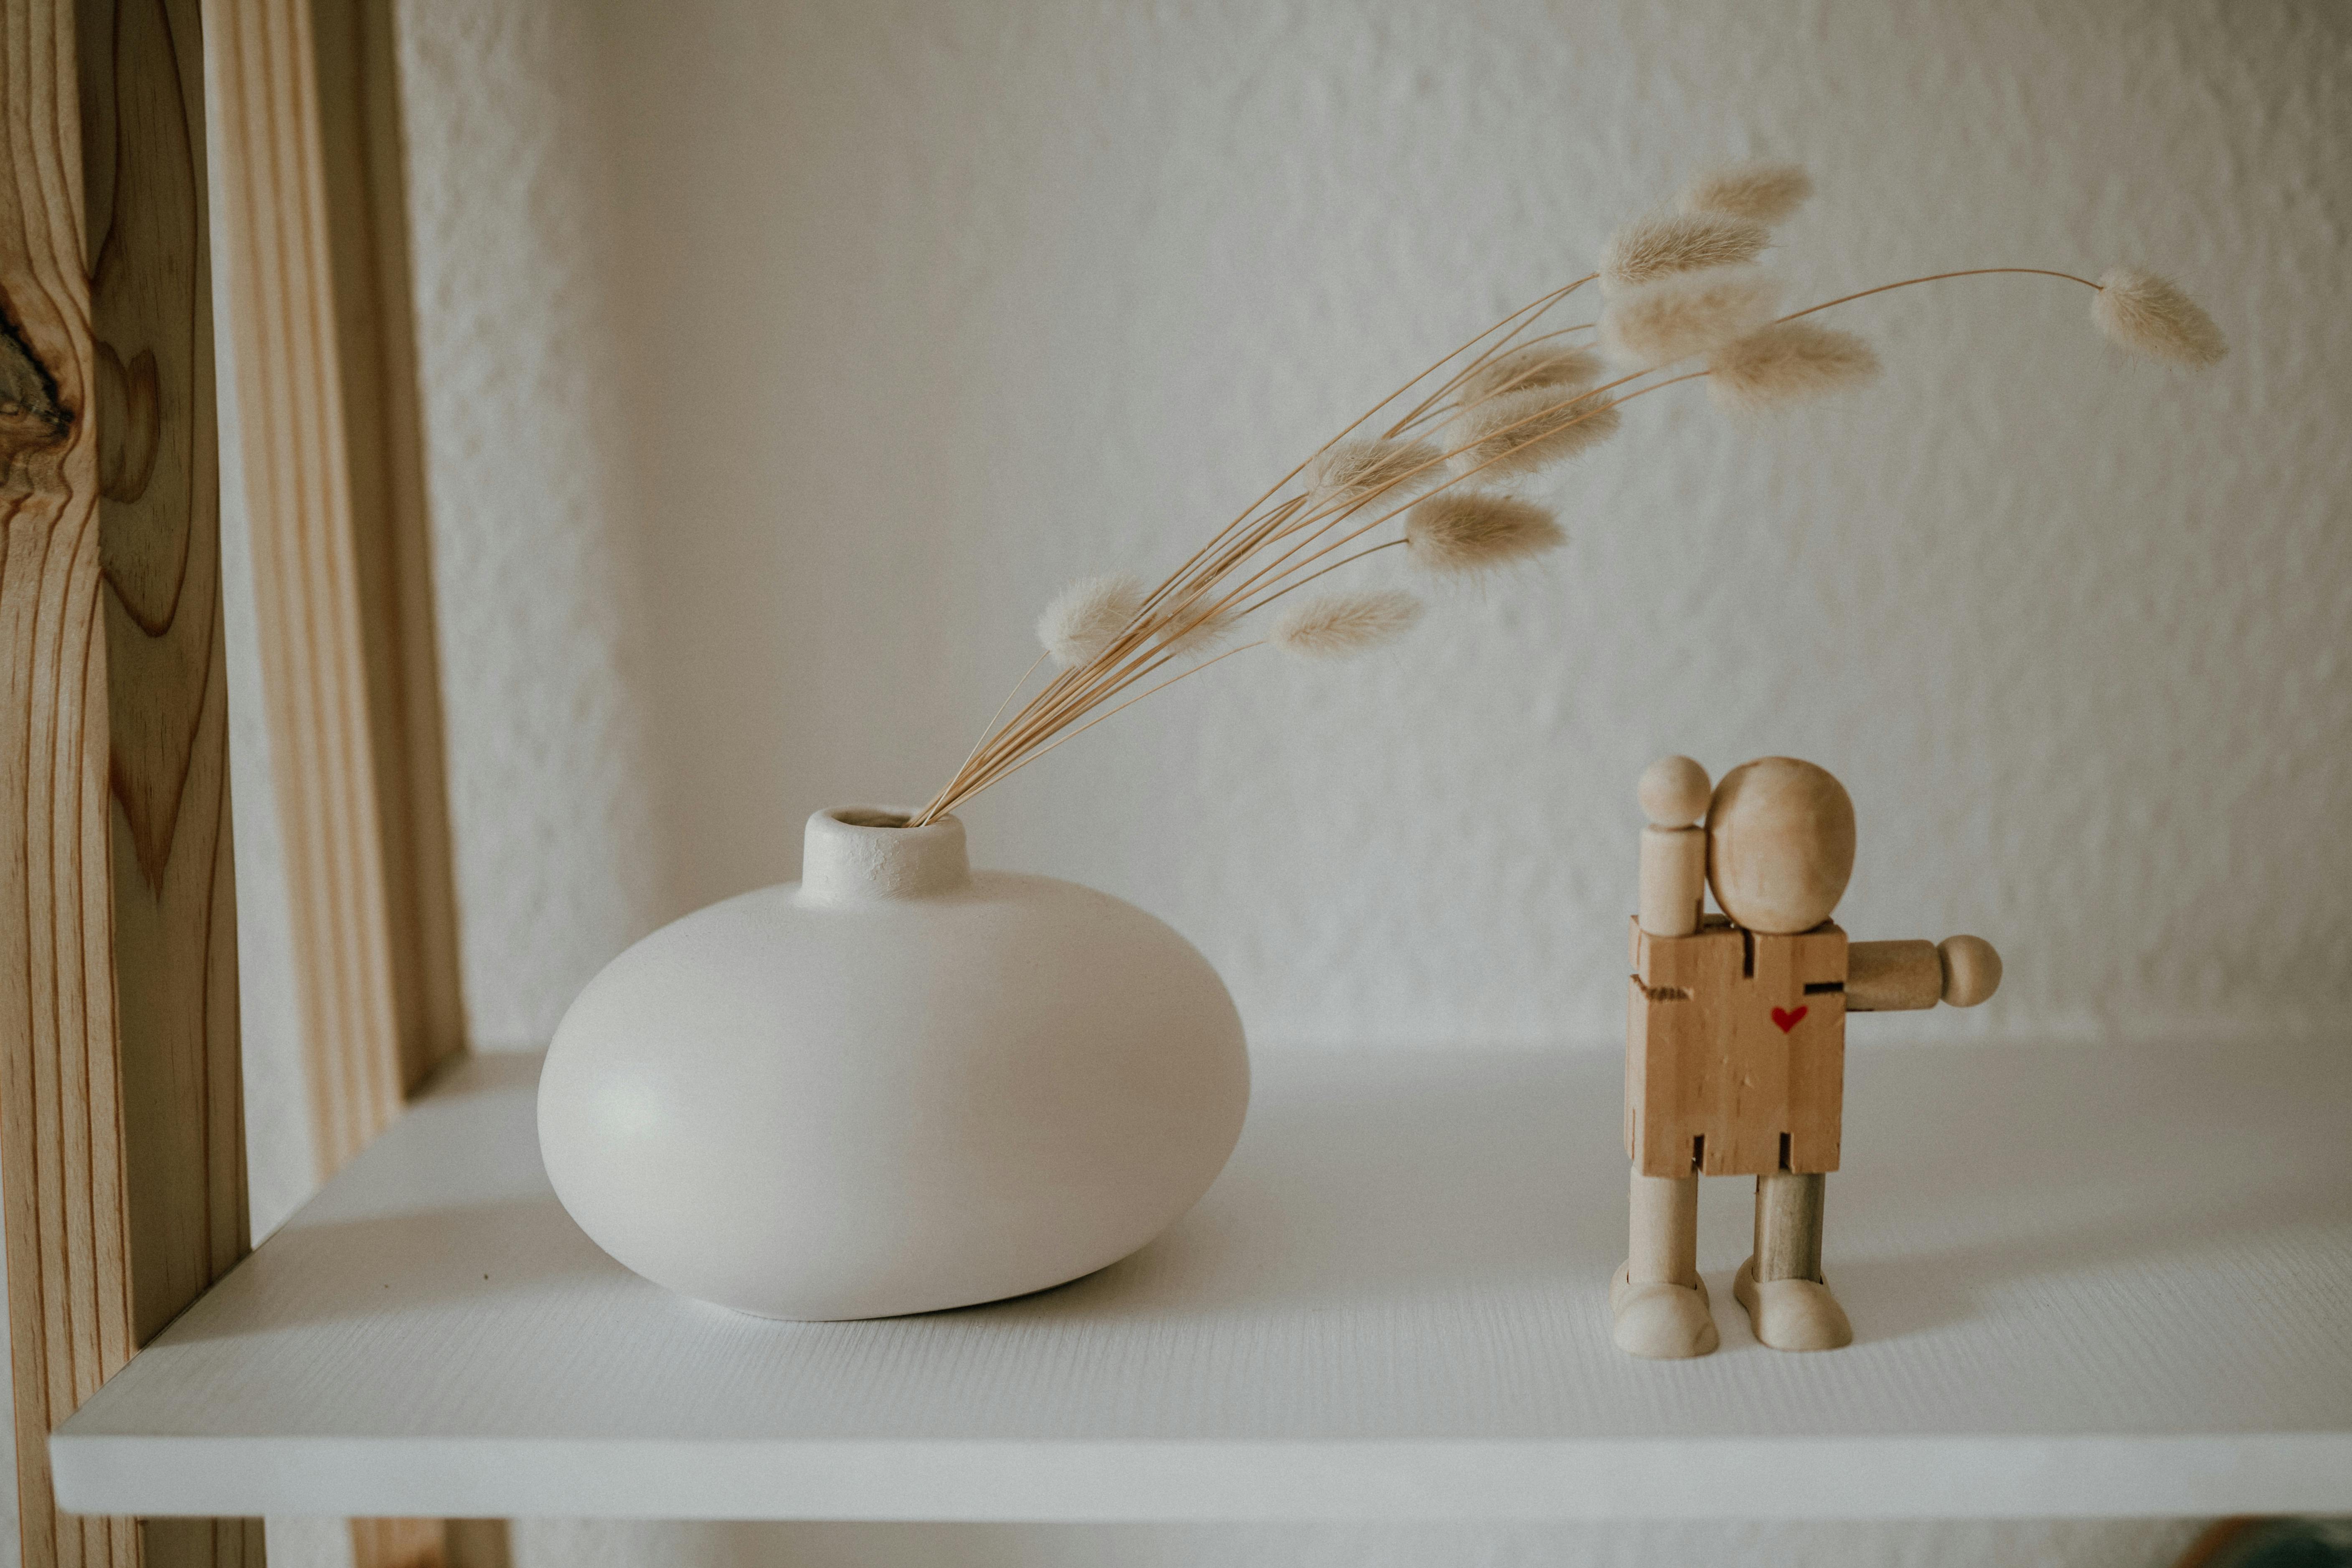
(920, 311)
(532, 410)
(781, 358)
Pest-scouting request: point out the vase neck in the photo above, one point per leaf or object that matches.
(860, 854)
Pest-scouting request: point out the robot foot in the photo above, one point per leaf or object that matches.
(1792, 1314)
(1660, 1320)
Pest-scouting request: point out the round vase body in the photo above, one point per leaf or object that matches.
(893, 1087)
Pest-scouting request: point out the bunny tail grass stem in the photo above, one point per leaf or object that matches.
(1070, 693)
(1276, 569)
(1081, 686)
(1014, 767)
(1433, 409)
(1094, 684)
(1343, 561)
(1152, 600)
(1538, 306)
(1937, 277)
(1040, 726)
(1504, 345)
(1276, 523)
(1062, 683)
(1108, 677)
(987, 730)
(1533, 312)
(1356, 533)
(1676, 285)
(1316, 523)
(1283, 565)
(1013, 763)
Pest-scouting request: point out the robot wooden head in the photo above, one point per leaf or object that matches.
(1780, 845)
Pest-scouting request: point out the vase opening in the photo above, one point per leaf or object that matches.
(857, 854)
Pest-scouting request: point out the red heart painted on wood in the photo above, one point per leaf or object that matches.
(1788, 1020)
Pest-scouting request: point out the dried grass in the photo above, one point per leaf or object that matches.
(1544, 365)
(1086, 616)
(1787, 363)
(1679, 317)
(2151, 317)
(1512, 400)
(1760, 192)
(1666, 244)
(1191, 634)
(1340, 625)
(1363, 464)
(1469, 532)
(1521, 432)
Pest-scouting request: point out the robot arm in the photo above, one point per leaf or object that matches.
(1897, 976)
(1880, 976)
(1673, 794)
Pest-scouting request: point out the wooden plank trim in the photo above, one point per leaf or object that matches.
(315, 208)
(376, 331)
(306, 590)
(121, 1141)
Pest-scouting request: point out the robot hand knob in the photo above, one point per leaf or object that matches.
(1674, 791)
(1971, 970)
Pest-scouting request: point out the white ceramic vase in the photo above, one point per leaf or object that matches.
(893, 1087)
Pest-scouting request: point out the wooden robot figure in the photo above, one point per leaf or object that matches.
(1735, 1046)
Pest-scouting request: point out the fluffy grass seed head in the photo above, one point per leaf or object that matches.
(1460, 533)
(1521, 432)
(1361, 464)
(1539, 365)
(1677, 317)
(1196, 635)
(1664, 244)
(1762, 193)
(1787, 363)
(1086, 616)
(1336, 626)
(2150, 316)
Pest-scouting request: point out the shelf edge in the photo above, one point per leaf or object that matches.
(1743, 1478)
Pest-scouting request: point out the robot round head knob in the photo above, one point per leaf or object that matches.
(1780, 844)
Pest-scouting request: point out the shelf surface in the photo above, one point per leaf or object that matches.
(2084, 1280)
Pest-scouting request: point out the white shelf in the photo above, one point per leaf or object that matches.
(2085, 1281)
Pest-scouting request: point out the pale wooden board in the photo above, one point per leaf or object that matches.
(313, 214)
(121, 1124)
(366, 217)
(314, 211)
(2085, 1281)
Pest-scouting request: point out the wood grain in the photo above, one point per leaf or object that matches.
(1734, 1055)
(1663, 1239)
(375, 343)
(431, 1544)
(1673, 881)
(1893, 976)
(326, 388)
(314, 207)
(1788, 1224)
(399, 1543)
(121, 1132)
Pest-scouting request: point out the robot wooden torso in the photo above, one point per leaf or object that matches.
(1735, 1050)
